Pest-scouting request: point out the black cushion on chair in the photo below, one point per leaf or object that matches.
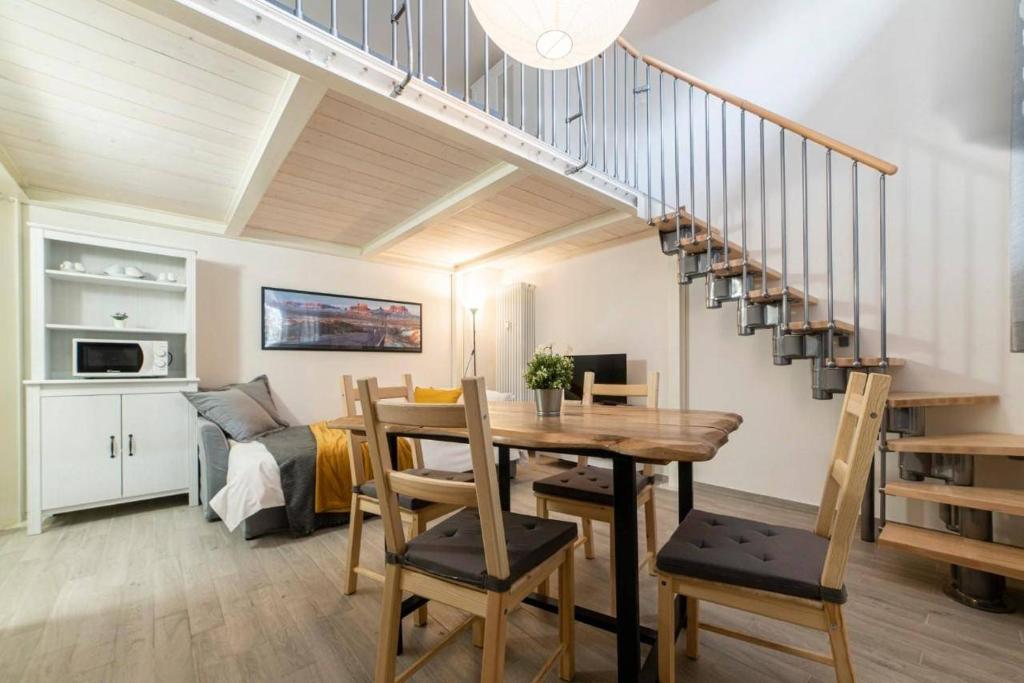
(369, 488)
(752, 554)
(454, 549)
(586, 484)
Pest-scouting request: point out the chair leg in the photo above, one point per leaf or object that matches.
(611, 564)
(667, 631)
(417, 527)
(478, 632)
(840, 645)
(355, 537)
(588, 533)
(651, 531)
(495, 634)
(692, 627)
(544, 587)
(390, 621)
(567, 616)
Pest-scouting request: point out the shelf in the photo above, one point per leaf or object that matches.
(111, 328)
(111, 380)
(961, 444)
(925, 399)
(90, 278)
(996, 558)
(1009, 501)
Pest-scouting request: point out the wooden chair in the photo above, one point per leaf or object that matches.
(414, 512)
(481, 561)
(788, 574)
(586, 491)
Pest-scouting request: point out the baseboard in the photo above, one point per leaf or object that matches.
(783, 503)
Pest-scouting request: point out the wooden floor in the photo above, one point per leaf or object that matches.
(153, 592)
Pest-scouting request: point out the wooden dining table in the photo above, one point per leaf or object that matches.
(628, 436)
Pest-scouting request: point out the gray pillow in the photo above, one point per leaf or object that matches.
(234, 411)
(258, 390)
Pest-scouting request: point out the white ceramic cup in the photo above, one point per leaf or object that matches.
(79, 268)
(171, 277)
(162, 277)
(66, 265)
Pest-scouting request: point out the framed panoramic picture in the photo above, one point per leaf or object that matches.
(313, 321)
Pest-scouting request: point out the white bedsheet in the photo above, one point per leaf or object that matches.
(253, 484)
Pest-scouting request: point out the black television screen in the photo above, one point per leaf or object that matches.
(608, 368)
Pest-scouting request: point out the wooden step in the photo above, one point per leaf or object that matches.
(967, 552)
(1010, 501)
(816, 326)
(734, 266)
(775, 294)
(961, 444)
(869, 362)
(928, 399)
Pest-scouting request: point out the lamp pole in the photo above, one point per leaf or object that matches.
(472, 312)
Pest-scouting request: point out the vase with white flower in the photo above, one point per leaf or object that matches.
(120, 319)
(549, 374)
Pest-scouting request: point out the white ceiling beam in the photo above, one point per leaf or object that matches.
(482, 187)
(295, 105)
(132, 214)
(546, 239)
(10, 186)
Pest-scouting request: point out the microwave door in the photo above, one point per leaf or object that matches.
(110, 358)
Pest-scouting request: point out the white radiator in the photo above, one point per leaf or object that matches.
(515, 338)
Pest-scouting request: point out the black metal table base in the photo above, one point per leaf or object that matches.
(629, 633)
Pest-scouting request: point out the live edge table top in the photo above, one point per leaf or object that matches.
(653, 436)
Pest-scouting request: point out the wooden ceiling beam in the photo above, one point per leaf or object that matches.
(481, 188)
(532, 244)
(298, 99)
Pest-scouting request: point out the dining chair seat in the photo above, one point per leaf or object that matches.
(748, 553)
(454, 548)
(369, 488)
(587, 484)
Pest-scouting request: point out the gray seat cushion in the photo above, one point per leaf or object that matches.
(370, 488)
(753, 554)
(587, 484)
(454, 548)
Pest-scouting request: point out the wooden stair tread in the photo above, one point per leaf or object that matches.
(967, 552)
(815, 326)
(961, 444)
(734, 266)
(775, 294)
(923, 399)
(869, 362)
(1009, 501)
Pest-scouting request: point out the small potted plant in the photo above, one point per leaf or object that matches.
(549, 374)
(119, 319)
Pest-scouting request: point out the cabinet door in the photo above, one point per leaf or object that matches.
(81, 450)
(155, 433)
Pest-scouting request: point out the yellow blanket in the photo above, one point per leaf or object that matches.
(333, 474)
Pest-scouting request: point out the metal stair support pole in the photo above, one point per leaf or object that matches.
(856, 270)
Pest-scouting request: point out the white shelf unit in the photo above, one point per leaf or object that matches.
(96, 442)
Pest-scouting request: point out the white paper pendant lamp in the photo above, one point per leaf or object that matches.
(553, 34)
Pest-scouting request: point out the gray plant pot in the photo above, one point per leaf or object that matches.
(549, 402)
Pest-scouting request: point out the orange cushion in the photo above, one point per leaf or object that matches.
(435, 395)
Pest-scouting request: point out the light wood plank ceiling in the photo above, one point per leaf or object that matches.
(356, 172)
(106, 100)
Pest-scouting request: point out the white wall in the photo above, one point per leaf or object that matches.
(883, 75)
(620, 300)
(230, 274)
(10, 369)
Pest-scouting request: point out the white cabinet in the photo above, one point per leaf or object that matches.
(154, 438)
(81, 438)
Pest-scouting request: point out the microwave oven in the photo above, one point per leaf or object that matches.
(119, 358)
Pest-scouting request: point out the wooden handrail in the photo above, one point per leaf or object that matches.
(798, 128)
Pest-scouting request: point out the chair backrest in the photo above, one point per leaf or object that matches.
(648, 391)
(350, 397)
(482, 493)
(848, 470)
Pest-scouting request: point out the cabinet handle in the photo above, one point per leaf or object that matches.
(111, 445)
(131, 445)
